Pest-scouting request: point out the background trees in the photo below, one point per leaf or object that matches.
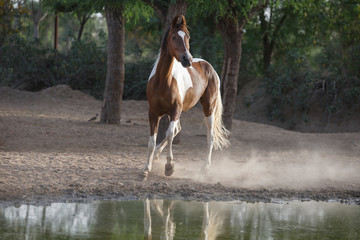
(304, 53)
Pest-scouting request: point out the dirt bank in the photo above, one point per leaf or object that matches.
(50, 152)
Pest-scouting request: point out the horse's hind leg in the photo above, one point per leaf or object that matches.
(209, 121)
(154, 122)
(163, 144)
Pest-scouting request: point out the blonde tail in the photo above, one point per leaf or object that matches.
(221, 134)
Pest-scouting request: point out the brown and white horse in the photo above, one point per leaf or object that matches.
(177, 82)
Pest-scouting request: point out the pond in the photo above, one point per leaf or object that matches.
(168, 219)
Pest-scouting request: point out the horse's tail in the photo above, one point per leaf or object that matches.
(221, 134)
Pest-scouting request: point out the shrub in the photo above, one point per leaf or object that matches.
(294, 84)
(29, 66)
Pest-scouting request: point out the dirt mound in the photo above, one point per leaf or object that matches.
(65, 91)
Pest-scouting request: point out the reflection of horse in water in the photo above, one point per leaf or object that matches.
(211, 225)
(163, 209)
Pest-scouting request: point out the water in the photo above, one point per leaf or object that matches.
(165, 219)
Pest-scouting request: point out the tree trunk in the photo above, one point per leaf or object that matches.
(232, 35)
(36, 30)
(82, 20)
(56, 28)
(179, 8)
(231, 28)
(166, 14)
(37, 17)
(110, 112)
(82, 24)
(268, 45)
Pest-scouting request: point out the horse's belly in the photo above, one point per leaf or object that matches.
(191, 98)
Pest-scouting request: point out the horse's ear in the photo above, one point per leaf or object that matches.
(179, 21)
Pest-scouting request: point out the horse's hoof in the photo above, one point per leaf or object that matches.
(145, 175)
(169, 169)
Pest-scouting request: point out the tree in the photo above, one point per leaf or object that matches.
(110, 111)
(83, 12)
(270, 27)
(231, 19)
(115, 20)
(116, 12)
(60, 6)
(37, 15)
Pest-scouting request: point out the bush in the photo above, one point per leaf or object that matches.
(24, 65)
(288, 85)
(84, 68)
(136, 78)
(293, 84)
(29, 66)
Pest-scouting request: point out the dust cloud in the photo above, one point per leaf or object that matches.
(301, 169)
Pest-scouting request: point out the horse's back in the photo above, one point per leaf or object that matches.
(208, 71)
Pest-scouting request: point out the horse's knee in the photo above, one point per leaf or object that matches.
(178, 127)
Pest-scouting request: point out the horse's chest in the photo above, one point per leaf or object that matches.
(183, 79)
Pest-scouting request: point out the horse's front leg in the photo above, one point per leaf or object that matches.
(154, 123)
(173, 130)
(147, 220)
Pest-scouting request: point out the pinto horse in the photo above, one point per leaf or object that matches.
(176, 83)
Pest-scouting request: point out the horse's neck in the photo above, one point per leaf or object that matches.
(164, 67)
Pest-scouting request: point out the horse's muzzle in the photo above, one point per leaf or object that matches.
(186, 61)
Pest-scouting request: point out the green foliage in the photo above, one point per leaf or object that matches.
(315, 61)
(289, 85)
(294, 84)
(137, 10)
(142, 46)
(85, 68)
(26, 65)
(136, 78)
(206, 41)
(8, 14)
(234, 8)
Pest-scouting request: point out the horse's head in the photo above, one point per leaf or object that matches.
(178, 41)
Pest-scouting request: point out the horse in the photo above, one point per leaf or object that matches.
(176, 83)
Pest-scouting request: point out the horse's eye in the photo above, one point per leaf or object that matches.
(173, 37)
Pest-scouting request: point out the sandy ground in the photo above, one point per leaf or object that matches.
(50, 152)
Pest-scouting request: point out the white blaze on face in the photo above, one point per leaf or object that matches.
(182, 35)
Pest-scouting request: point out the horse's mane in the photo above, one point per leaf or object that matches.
(163, 44)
